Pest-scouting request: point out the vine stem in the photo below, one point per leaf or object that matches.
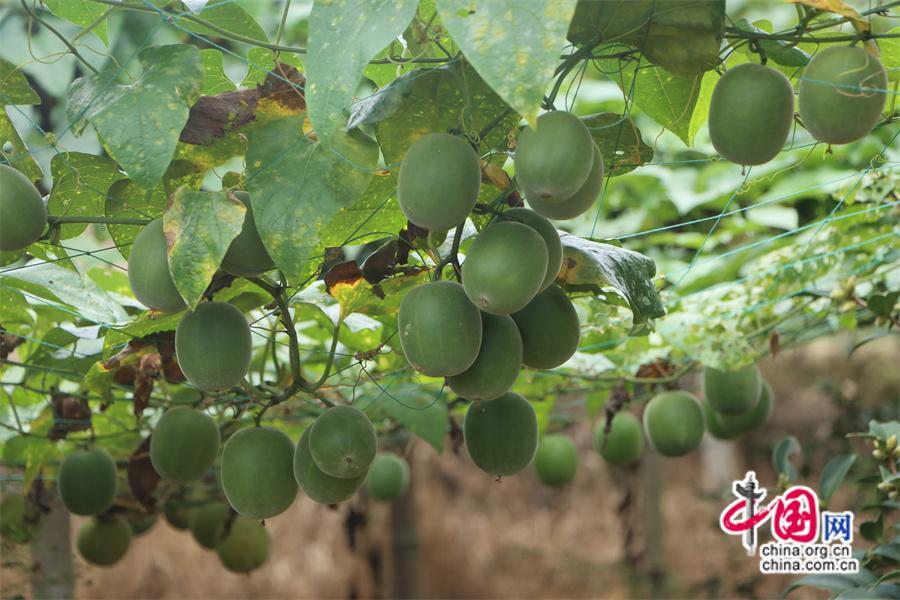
(284, 14)
(100, 220)
(452, 257)
(330, 360)
(61, 37)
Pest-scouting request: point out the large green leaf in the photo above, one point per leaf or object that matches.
(620, 142)
(140, 122)
(80, 184)
(298, 185)
(125, 200)
(514, 44)
(890, 54)
(423, 413)
(215, 81)
(343, 36)
(14, 88)
(82, 13)
(589, 263)
(13, 149)
(227, 15)
(199, 227)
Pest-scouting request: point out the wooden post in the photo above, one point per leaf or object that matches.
(405, 546)
(51, 552)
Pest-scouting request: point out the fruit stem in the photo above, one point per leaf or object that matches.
(101, 220)
(330, 360)
(452, 257)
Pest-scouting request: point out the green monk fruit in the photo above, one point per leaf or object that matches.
(499, 361)
(177, 511)
(213, 346)
(842, 93)
(244, 545)
(87, 482)
(624, 443)
(388, 478)
(23, 215)
(750, 114)
(501, 435)
(184, 444)
(206, 523)
(728, 427)
(439, 180)
(104, 541)
(319, 486)
(148, 270)
(547, 231)
(579, 202)
(554, 158)
(257, 472)
(556, 460)
(549, 328)
(732, 392)
(440, 330)
(140, 522)
(19, 518)
(247, 256)
(505, 267)
(342, 442)
(673, 422)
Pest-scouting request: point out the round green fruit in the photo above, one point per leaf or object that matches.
(501, 435)
(750, 114)
(140, 522)
(674, 423)
(87, 482)
(505, 267)
(184, 444)
(440, 330)
(247, 256)
(19, 519)
(729, 427)
(554, 158)
(148, 270)
(23, 215)
(547, 231)
(580, 202)
(732, 392)
(213, 346)
(342, 442)
(206, 523)
(388, 478)
(549, 328)
(319, 486)
(177, 511)
(499, 361)
(556, 460)
(257, 472)
(103, 542)
(624, 443)
(244, 547)
(439, 180)
(842, 94)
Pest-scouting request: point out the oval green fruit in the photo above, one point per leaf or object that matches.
(495, 370)
(388, 478)
(213, 346)
(714, 424)
(440, 330)
(549, 328)
(674, 423)
(206, 523)
(257, 472)
(103, 542)
(184, 444)
(501, 435)
(244, 545)
(140, 522)
(148, 270)
(177, 511)
(87, 482)
(624, 443)
(19, 519)
(504, 267)
(728, 427)
(579, 202)
(554, 158)
(750, 114)
(319, 486)
(842, 93)
(342, 442)
(547, 231)
(556, 461)
(23, 215)
(732, 392)
(247, 256)
(439, 180)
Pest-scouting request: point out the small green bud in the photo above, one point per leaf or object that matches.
(884, 486)
(893, 495)
(849, 306)
(891, 443)
(878, 454)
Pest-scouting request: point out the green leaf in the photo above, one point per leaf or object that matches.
(140, 122)
(890, 54)
(199, 227)
(297, 186)
(261, 62)
(14, 88)
(781, 457)
(620, 142)
(215, 81)
(872, 530)
(832, 582)
(14, 151)
(229, 16)
(833, 475)
(778, 51)
(82, 13)
(80, 185)
(883, 304)
(890, 551)
(700, 114)
(514, 45)
(423, 413)
(629, 273)
(125, 200)
(343, 36)
(879, 592)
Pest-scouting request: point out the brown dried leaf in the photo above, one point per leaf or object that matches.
(142, 477)
(69, 414)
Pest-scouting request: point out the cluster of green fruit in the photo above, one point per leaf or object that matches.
(841, 93)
